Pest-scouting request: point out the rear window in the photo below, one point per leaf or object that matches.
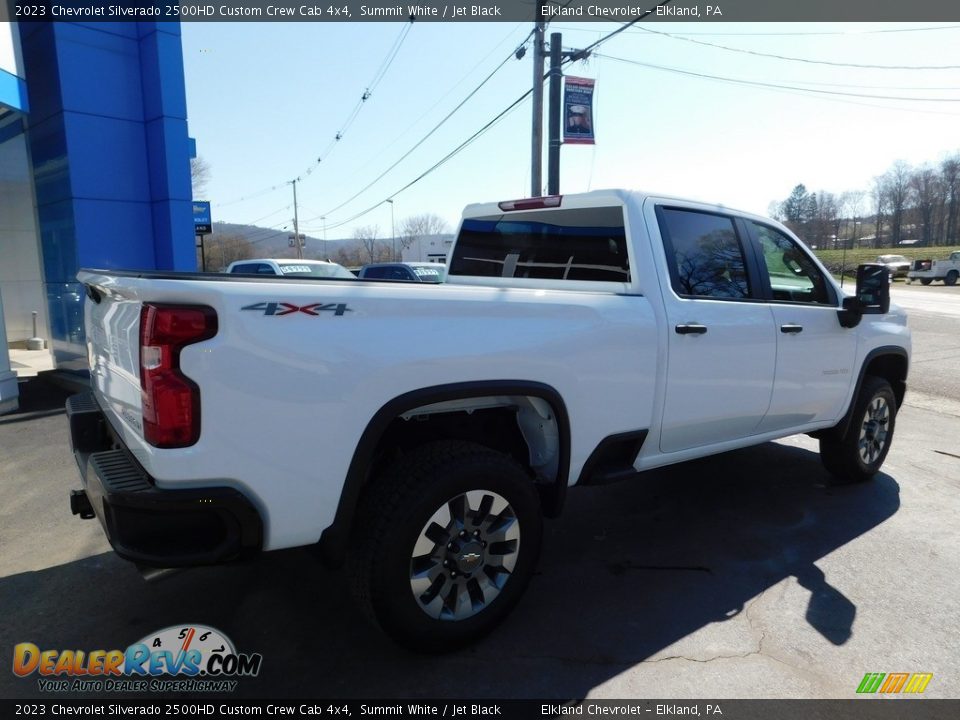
(328, 270)
(429, 274)
(585, 244)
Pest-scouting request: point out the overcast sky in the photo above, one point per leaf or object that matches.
(265, 100)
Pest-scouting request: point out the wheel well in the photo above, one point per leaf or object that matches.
(525, 420)
(893, 369)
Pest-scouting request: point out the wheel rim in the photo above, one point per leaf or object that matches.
(874, 430)
(464, 555)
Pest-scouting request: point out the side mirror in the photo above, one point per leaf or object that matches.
(872, 298)
(873, 289)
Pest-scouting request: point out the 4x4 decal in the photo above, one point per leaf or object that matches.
(285, 308)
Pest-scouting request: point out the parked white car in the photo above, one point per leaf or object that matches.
(290, 268)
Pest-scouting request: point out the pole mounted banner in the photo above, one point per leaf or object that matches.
(578, 126)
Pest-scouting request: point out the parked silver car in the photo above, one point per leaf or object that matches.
(897, 265)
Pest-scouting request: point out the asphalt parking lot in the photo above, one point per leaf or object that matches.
(738, 576)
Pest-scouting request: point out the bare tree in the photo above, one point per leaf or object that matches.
(897, 181)
(880, 197)
(199, 176)
(950, 179)
(926, 190)
(221, 250)
(420, 226)
(367, 235)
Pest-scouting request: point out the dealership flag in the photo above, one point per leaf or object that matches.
(578, 111)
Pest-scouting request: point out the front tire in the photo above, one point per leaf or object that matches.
(858, 454)
(951, 278)
(445, 544)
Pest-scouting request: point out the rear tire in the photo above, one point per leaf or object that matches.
(951, 278)
(857, 455)
(926, 281)
(445, 544)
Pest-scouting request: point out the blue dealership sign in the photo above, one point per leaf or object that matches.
(201, 218)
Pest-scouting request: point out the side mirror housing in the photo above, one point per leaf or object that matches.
(872, 298)
(873, 289)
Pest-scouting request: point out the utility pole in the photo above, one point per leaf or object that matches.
(296, 223)
(536, 143)
(556, 76)
(393, 233)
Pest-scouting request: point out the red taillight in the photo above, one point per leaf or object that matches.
(171, 400)
(536, 203)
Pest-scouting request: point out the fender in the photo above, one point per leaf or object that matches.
(899, 391)
(334, 539)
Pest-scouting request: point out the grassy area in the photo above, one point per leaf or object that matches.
(832, 258)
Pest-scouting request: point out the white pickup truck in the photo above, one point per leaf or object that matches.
(926, 271)
(420, 433)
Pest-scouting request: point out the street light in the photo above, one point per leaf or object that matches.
(326, 254)
(393, 232)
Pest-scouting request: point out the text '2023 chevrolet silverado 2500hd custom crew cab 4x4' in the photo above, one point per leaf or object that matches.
(579, 339)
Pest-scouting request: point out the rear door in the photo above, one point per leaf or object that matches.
(722, 343)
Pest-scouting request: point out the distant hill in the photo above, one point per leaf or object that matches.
(276, 243)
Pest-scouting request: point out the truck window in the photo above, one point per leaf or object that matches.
(583, 244)
(793, 276)
(704, 254)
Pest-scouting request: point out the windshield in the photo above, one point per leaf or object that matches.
(317, 270)
(893, 258)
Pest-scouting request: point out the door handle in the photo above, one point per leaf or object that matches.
(791, 329)
(690, 329)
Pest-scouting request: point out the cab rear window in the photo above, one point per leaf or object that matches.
(585, 244)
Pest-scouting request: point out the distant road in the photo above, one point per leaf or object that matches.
(934, 317)
(935, 299)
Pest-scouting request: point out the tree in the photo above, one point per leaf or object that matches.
(880, 197)
(367, 235)
(221, 250)
(199, 176)
(950, 179)
(417, 227)
(897, 182)
(794, 207)
(925, 186)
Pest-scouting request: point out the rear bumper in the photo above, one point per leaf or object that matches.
(146, 524)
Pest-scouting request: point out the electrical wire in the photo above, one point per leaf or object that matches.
(368, 92)
(449, 156)
(797, 59)
(447, 94)
(757, 83)
(419, 142)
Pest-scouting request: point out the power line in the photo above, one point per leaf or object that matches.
(439, 163)
(447, 94)
(367, 93)
(797, 59)
(449, 156)
(419, 142)
(757, 83)
(581, 54)
(581, 28)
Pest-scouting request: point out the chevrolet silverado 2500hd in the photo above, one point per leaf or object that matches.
(421, 433)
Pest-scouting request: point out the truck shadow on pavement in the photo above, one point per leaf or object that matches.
(628, 573)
